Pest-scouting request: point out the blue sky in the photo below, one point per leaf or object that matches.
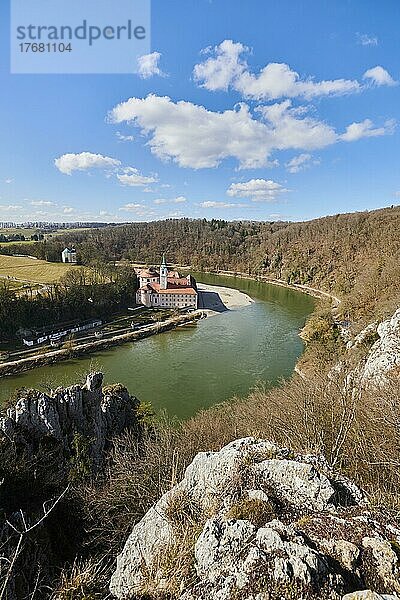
(257, 110)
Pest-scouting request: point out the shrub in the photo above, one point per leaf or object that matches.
(254, 510)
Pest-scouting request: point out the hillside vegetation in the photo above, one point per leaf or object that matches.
(330, 413)
(355, 255)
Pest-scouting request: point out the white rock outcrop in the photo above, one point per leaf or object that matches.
(256, 522)
(89, 410)
(383, 359)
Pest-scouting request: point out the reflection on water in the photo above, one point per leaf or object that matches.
(194, 367)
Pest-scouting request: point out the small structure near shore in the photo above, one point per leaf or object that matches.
(166, 289)
(51, 334)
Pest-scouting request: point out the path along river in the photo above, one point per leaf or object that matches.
(196, 366)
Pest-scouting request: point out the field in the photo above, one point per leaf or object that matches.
(33, 231)
(27, 232)
(30, 270)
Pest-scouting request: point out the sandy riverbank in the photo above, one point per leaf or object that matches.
(215, 299)
(306, 289)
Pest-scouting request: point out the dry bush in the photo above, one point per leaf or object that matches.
(139, 472)
(85, 580)
(356, 430)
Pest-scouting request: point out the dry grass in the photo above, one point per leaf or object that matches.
(356, 430)
(86, 580)
(31, 270)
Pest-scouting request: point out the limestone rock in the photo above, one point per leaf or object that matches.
(256, 522)
(367, 333)
(368, 595)
(384, 356)
(66, 411)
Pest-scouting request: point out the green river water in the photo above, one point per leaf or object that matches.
(196, 366)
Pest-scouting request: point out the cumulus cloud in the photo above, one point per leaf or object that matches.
(366, 128)
(67, 163)
(132, 177)
(367, 40)
(195, 137)
(292, 129)
(9, 207)
(379, 76)
(8, 181)
(257, 189)
(68, 210)
(213, 204)
(226, 67)
(42, 203)
(139, 210)
(220, 70)
(178, 200)
(124, 138)
(300, 162)
(148, 65)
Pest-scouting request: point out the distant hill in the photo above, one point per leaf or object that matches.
(356, 255)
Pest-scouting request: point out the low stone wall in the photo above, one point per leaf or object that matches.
(55, 356)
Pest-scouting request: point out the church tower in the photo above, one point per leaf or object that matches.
(163, 274)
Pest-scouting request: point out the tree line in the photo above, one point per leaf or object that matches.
(355, 255)
(82, 294)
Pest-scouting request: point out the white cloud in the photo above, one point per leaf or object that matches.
(132, 177)
(212, 204)
(227, 68)
(300, 162)
(124, 138)
(379, 76)
(139, 210)
(8, 181)
(68, 210)
(257, 189)
(367, 40)
(290, 131)
(195, 137)
(218, 71)
(178, 200)
(148, 65)
(42, 203)
(278, 216)
(365, 128)
(176, 214)
(9, 207)
(67, 163)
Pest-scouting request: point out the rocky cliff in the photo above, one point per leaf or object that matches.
(256, 522)
(383, 359)
(88, 410)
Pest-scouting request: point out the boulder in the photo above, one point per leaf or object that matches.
(256, 522)
(383, 359)
(88, 410)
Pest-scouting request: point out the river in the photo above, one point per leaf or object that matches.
(196, 366)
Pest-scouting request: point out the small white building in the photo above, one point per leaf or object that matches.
(166, 289)
(68, 255)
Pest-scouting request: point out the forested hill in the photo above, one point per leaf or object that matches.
(356, 255)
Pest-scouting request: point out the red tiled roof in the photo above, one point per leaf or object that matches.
(146, 273)
(173, 289)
